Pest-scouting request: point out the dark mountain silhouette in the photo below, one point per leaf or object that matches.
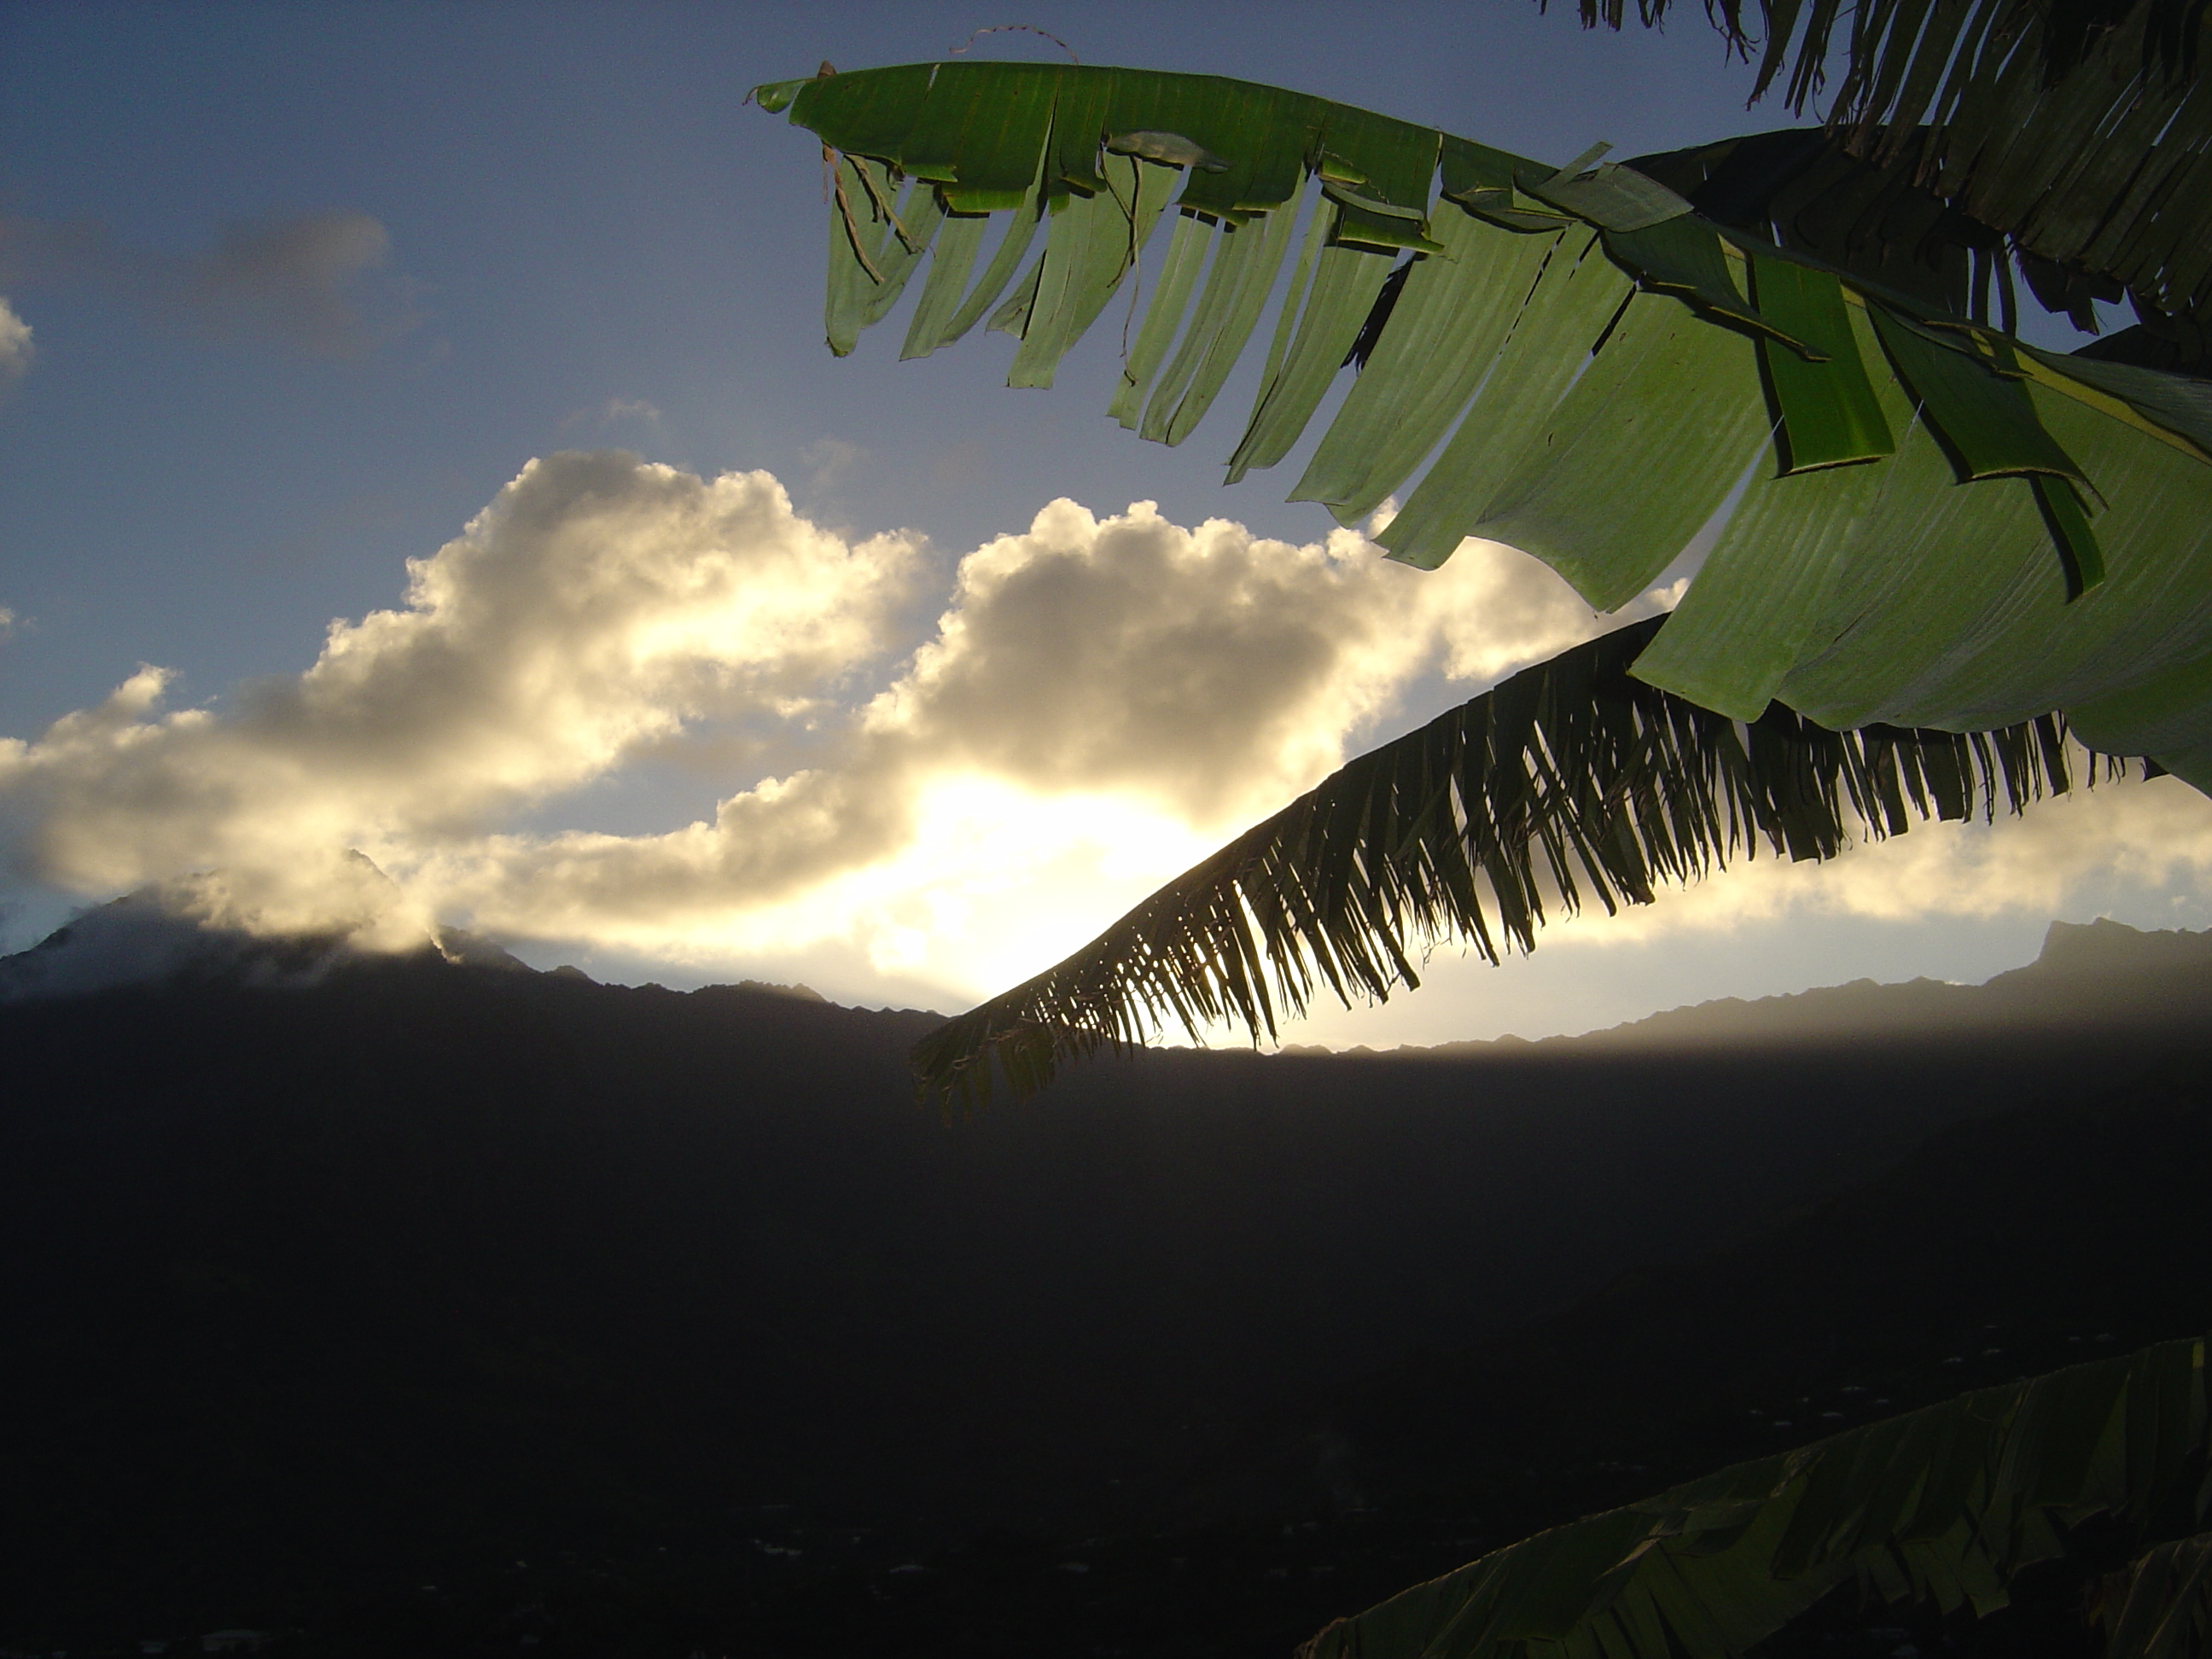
(324, 1288)
(2095, 975)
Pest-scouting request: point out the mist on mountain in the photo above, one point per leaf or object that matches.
(223, 926)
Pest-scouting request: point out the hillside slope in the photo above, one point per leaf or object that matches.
(413, 1268)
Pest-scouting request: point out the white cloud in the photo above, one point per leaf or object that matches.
(304, 280)
(1099, 699)
(613, 411)
(831, 458)
(1101, 702)
(596, 605)
(16, 347)
(1212, 671)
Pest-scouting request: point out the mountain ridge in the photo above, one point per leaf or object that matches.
(323, 1290)
(148, 938)
(2098, 971)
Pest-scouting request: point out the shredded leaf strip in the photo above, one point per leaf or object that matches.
(1571, 782)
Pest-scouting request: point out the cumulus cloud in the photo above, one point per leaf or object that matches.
(272, 928)
(1213, 670)
(315, 281)
(596, 605)
(1100, 702)
(15, 348)
(1099, 696)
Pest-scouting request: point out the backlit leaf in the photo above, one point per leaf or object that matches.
(1571, 783)
(1561, 322)
(1981, 413)
(1829, 415)
(1679, 1572)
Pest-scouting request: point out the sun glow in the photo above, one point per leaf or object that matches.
(996, 883)
(1011, 879)
(989, 882)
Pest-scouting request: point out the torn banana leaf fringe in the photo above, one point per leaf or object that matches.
(1919, 521)
(2084, 131)
(1941, 1506)
(1573, 783)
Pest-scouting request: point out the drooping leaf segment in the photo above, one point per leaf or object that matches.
(2160, 1606)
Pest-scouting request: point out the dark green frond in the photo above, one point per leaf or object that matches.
(2082, 129)
(1573, 783)
(1941, 1506)
(2160, 1607)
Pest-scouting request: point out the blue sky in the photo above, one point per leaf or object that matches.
(309, 286)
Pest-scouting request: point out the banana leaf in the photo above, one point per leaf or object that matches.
(2160, 1606)
(1573, 783)
(1943, 1505)
(1940, 527)
(1925, 527)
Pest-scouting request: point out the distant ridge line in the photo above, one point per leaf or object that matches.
(2100, 973)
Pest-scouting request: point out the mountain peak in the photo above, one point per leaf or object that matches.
(2105, 945)
(214, 925)
(201, 929)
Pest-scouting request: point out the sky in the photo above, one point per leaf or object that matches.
(416, 438)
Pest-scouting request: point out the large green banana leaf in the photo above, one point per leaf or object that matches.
(1572, 778)
(1938, 526)
(1944, 1505)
